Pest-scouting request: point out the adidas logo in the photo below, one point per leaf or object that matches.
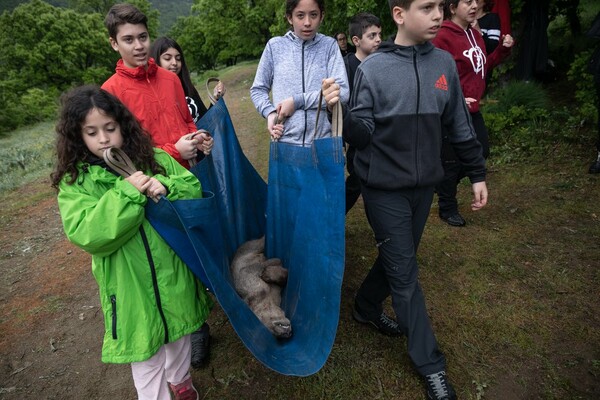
(441, 83)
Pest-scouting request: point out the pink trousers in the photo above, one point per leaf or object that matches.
(171, 364)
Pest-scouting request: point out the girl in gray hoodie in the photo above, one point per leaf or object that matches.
(292, 67)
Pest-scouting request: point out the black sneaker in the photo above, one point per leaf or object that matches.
(595, 167)
(438, 387)
(200, 346)
(454, 220)
(383, 323)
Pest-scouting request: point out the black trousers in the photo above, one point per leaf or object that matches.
(398, 219)
(453, 170)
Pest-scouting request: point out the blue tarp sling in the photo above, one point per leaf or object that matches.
(302, 215)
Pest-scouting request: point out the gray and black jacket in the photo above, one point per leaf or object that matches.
(402, 98)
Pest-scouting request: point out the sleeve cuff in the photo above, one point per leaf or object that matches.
(299, 101)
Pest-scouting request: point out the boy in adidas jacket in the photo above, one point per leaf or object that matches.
(403, 95)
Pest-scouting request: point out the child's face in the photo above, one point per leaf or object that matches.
(370, 41)
(342, 41)
(306, 19)
(171, 60)
(133, 44)
(480, 5)
(465, 12)
(99, 132)
(420, 22)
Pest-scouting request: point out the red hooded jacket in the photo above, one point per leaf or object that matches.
(156, 98)
(468, 50)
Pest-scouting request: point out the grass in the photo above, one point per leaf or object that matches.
(26, 154)
(513, 297)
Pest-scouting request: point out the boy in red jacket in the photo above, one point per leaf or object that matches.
(154, 95)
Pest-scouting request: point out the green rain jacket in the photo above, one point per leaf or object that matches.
(149, 297)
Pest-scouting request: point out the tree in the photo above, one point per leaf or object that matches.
(51, 49)
(91, 6)
(224, 31)
(102, 6)
(187, 33)
(51, 46)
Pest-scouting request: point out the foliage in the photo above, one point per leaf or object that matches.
(339, 12)
(527, 94)
(584, 88)
(27, 154)
(146, 7)
(169, 12)
(186, 32)
(224, 31)
(524, 126)
(520, 123)
(91, 6)
(49, 49)
(9, 5)
(39, 105)
(52, 48)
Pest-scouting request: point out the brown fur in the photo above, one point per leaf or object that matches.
(259, 281)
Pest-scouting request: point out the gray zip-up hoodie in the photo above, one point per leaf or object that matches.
(292, 67)
(402, 98)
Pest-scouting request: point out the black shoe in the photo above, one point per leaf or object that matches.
(383, 323)
(595, 167)
(454, 219)
(200, 346)
(438, 387)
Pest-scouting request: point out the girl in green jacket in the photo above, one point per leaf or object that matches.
(150, 299)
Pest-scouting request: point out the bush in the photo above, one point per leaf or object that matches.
(521, 123)
(35, 105)
(10, 117)
(39, 105)
(27, 154)
(585, 95)
(529, 95)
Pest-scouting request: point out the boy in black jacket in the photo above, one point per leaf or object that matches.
(403, 95)
(365, 33)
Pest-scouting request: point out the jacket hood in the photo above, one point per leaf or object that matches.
(138, 72)
(389, 46)
(453, 27)
(298, 42)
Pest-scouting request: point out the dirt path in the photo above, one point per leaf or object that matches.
(50, 321)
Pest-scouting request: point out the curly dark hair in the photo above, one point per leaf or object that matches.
(70, 147)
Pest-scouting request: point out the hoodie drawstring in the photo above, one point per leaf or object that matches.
(475, 54)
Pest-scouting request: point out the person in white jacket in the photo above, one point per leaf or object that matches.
(292, 67)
